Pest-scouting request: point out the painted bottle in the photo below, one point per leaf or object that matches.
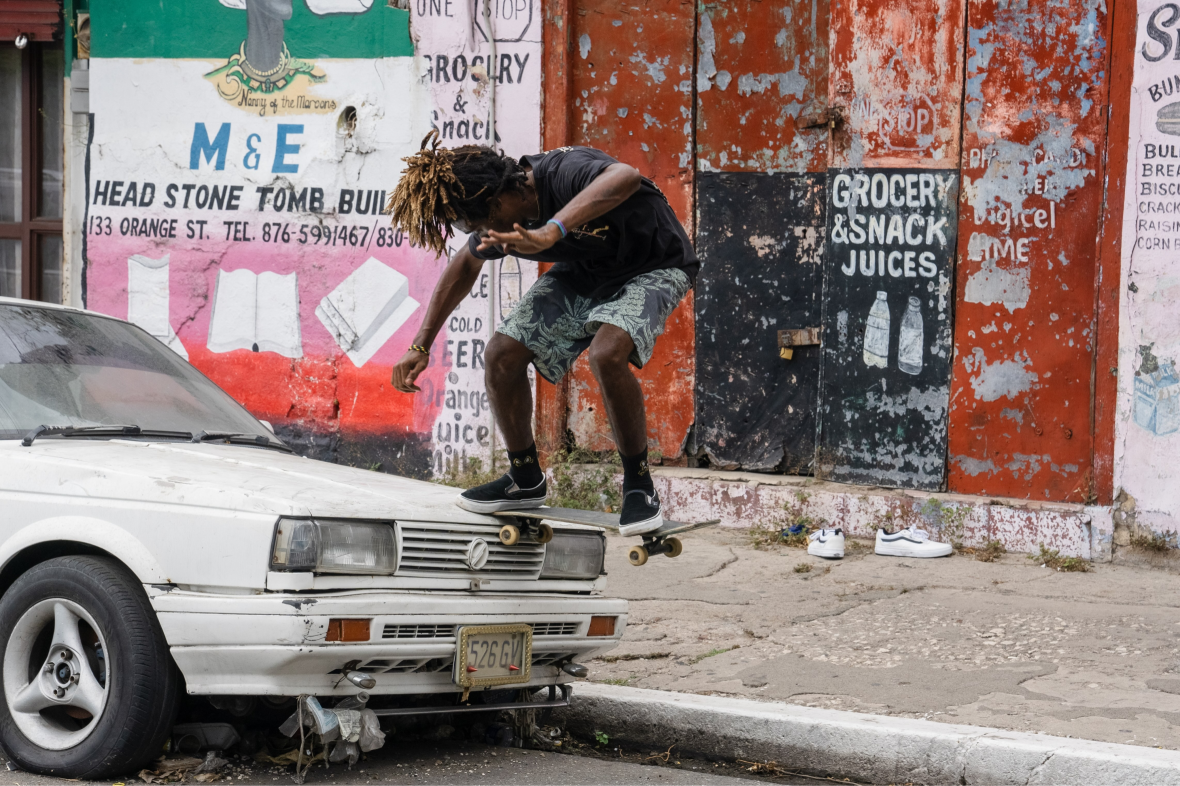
(877, 333)
(909, 341)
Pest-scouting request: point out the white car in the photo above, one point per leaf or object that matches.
(157, 538)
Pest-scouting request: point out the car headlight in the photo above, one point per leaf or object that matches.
(574, 555)
(334, 546)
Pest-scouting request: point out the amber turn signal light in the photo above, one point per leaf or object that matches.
(351, 630)
(602, 626)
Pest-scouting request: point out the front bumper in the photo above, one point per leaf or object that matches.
(273, 644)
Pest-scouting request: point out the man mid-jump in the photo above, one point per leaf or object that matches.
(622, 262)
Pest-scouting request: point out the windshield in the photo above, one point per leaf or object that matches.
(64, 368)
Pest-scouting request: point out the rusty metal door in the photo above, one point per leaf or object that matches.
(1034, 127)
(762, 157)
(631, 95)
(897, 77)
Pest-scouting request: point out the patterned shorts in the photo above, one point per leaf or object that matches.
(557, 324)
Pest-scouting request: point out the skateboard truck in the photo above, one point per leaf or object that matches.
(538, 532)
(637, 555)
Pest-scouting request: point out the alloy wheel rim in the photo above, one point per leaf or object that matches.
(56, 674)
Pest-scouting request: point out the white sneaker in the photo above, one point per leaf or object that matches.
(910, 542)
(827, 543)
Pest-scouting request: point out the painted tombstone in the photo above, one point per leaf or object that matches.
(887, 327)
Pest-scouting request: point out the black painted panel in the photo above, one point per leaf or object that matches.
(760, 240)
(886, 376)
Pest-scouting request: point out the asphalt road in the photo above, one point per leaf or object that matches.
(459, 763)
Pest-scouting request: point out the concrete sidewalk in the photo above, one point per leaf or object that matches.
(1009, 645)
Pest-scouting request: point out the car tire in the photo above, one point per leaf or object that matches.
(83, 626)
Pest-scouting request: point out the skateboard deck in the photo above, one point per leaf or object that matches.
(660, 541)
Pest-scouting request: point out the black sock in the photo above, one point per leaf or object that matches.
(524, 467)
(635, 472)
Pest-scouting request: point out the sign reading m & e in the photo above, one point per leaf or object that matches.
(214, 151)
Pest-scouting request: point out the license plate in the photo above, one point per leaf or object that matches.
(493, 655)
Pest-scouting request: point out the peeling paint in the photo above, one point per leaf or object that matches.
(991, 284)
(1004, 378)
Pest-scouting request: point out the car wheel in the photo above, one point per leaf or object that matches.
(90, 689)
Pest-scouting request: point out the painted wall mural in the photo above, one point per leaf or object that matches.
(1147, 429)
(887, 327)
(241, 157)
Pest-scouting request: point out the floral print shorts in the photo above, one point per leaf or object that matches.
(558, 324)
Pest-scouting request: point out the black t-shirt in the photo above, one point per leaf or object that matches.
(597, 259)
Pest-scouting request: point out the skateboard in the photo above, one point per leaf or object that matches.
(530, 523)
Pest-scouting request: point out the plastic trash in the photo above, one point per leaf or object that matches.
(315, 717)
(371, 737)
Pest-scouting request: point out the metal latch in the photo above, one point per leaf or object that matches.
(832, 117)
(789, 339)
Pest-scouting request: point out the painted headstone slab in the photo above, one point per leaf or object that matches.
(887, 327)
(761, 246)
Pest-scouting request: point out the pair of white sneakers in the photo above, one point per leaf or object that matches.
(908, 542)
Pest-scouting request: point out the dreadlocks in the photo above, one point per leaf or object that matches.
(441, 186)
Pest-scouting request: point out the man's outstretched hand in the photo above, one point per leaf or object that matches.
(521, 240)
(406, 372)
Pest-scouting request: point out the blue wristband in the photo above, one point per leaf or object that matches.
(560, 226)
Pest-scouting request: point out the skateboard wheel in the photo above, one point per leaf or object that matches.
(677, 548)
(544, 533)
(637, 555)
(509, 534)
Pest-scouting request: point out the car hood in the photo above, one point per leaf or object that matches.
(223, 476)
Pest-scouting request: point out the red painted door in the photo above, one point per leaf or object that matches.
(1034, 127)
(631, 95)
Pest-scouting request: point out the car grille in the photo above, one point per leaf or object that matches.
(418, 632)
(448, 631)
(434, 549)
(554, 628)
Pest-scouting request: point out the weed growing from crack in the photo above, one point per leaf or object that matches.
(1051, 558)
(711, 653)
(601, 738)
(645, 656)
(990, 552)
(617, 681)
(468, 473)
(803, 567)
(586, 488)
(572, 484)
(1153, 542)
(950, 523)
(792, 532)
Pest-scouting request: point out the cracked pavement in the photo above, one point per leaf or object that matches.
(1009, 644)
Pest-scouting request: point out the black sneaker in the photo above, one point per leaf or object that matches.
(642, 512)
(502, 494)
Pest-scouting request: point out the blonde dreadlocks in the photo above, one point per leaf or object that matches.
(441, 186)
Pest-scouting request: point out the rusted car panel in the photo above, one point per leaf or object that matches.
(1031, 202)
(632, 96)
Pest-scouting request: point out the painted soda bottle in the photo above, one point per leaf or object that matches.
(877, 333)
(909, 342)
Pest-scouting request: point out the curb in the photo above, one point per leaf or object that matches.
(866, 748)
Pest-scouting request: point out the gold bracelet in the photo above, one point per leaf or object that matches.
(423, 350)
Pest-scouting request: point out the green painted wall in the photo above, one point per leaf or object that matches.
(206, 29)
